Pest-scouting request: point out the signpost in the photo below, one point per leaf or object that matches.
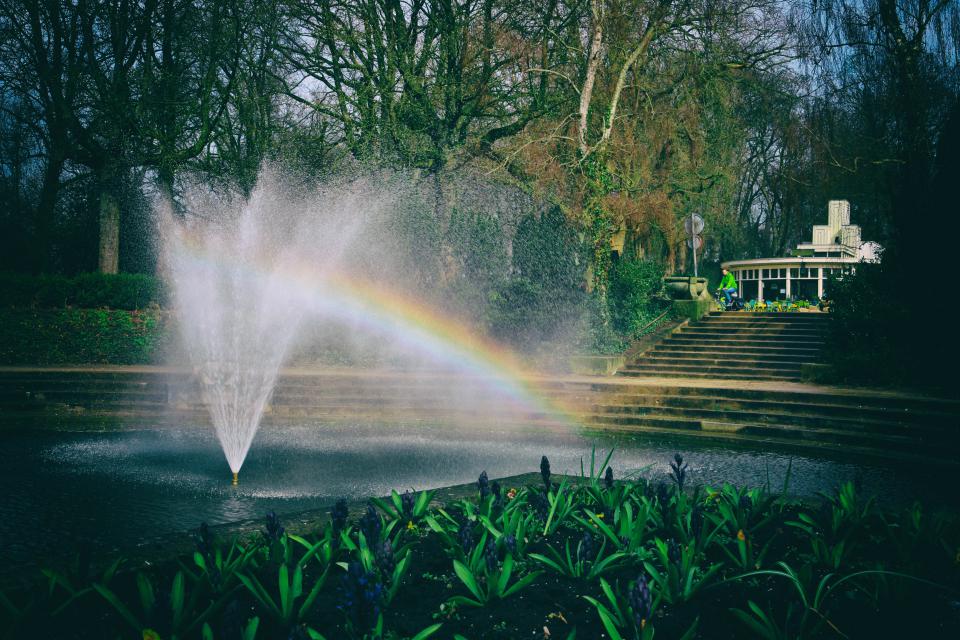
(694, 227)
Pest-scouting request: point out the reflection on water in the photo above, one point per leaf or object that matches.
(114, 490)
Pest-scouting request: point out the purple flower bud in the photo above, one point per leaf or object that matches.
(640, 601)
(371, 526)
(540, 504)
(545, 471)
(608, 478)
(696, 521)
(678, 471)
(483, 483)
(510, 543)
(587, 549)
(407, 502)
(673, 552)
(490, 555)
(465, 536)
(361, 595)
(274, 532)
(386, 562)
(338, 516)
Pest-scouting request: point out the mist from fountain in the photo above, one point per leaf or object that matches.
(225, 259)
(251, 276)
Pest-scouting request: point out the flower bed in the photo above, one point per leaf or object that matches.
(585, 558)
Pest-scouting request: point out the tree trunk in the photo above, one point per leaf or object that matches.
(109, 219)
(46, 211)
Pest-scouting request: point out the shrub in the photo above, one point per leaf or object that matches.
(867, 339)
(545, 296)
(635, 296)
(82, 336)
(87, 290)
(520, 312)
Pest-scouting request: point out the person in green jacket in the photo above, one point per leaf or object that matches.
(728, 286)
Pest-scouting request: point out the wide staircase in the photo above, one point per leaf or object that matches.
(846, 423)
(737, 346)
(813, 420)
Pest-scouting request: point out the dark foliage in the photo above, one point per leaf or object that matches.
(87, 290)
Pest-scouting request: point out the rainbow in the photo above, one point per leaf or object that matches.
(364, 305)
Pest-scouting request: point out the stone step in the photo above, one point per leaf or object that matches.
(705, 331)
(734, 354)
(799, 350)
(822, 408)
(782, 432)
(796, 417)
(725, 361)
(744, 341)
(848, 398)
(394, 385)
(671, 373)
(78, 394)
(724, 367)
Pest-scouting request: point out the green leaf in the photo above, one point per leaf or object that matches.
(464, 600)
(297, 589)
(505, 574)
(254, 587)
(426, 633)
(250, 632)
(312, 596)
(608, 591)
(206, 633)
(606, 618)
(148, 598)
(550, 563)
(121, 608)
(466, 577)
(690, 633)
(521, 583)
(490, 526)
(397, 502)
(283, 581)
(176, 599)
(423, 500)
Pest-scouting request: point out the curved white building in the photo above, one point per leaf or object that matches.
(835, 247)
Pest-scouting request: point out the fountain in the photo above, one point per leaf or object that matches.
(224, 259)
(245, 273)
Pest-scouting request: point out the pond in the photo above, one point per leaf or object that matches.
(119, 489)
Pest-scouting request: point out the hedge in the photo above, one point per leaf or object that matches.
(88, 290)
(83, 336)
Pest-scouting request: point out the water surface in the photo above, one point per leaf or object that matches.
(116, 490)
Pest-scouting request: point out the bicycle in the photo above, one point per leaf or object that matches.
(735, 304)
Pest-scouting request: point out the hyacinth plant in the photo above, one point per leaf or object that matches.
(637, 553)
(588, 561)
(487, 578)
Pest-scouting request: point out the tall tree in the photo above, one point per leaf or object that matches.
(41, 62)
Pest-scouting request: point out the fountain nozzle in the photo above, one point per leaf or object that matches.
(236, 478)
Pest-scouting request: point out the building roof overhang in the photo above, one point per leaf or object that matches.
(798, 261)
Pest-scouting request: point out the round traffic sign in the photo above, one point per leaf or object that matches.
(693, 225)
(695, 239)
